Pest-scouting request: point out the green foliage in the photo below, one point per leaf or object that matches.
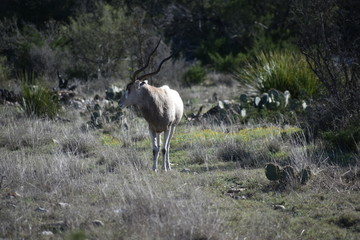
(27, 77)
(4, 70)
(19, 42)
(99, 40)
(77, 236)
(346, 139)
(228, 63)
(282, 71)
(38, 101)
(195, 75)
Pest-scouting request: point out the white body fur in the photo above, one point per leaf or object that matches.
(162, 108)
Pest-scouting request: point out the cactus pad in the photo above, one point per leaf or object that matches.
(272, 172)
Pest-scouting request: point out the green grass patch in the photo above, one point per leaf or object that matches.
(246, 135)
(108, 140)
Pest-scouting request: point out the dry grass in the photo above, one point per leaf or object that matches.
(96, 185)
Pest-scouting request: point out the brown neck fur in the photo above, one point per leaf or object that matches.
(156, 107)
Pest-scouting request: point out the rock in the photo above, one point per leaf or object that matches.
(13, 194)
(257, 101)
(119, 210)
(40, 209)
(98, 223)
(287, 96)
(63, 205)
(243, 112)
(185, 170)
(279, 207)
(240, 197)
(236, 190)
(47, 233)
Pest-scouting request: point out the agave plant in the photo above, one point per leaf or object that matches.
(281, 70)
(39, 101)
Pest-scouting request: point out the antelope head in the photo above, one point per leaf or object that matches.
(132, 93)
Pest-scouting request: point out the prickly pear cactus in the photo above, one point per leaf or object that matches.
(243, 98)
(305, 175)
(96, 120)
(113, 93)
(273, 172)
(287, 176)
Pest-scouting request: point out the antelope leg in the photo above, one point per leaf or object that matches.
(155, 139)
(166, 148)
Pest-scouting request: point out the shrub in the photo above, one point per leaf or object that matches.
(329, 38)
(195, 75)
(226, 64)
(282, 71)
(243, 153)
(346, 139)
(77, 143)
(4, 70)
(39, 101)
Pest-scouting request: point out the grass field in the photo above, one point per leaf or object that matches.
(60, 182)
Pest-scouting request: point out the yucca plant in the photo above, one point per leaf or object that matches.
(281, 70)
(39, 101)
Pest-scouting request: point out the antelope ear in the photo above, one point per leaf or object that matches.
(144, 82)
(137, 84)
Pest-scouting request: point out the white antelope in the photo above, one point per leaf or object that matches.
(161, 107)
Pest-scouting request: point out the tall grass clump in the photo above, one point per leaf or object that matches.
(282, 71)
(38, 101)
(22, 133)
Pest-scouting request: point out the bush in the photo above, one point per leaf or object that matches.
(195, 75)
(282, 71)
(4, 70)
(245, 154)
(329, 38)
(39, 101)
(347, 139)
(226, 64)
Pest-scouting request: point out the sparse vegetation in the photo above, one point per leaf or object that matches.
(274, 155)
(70, 182)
